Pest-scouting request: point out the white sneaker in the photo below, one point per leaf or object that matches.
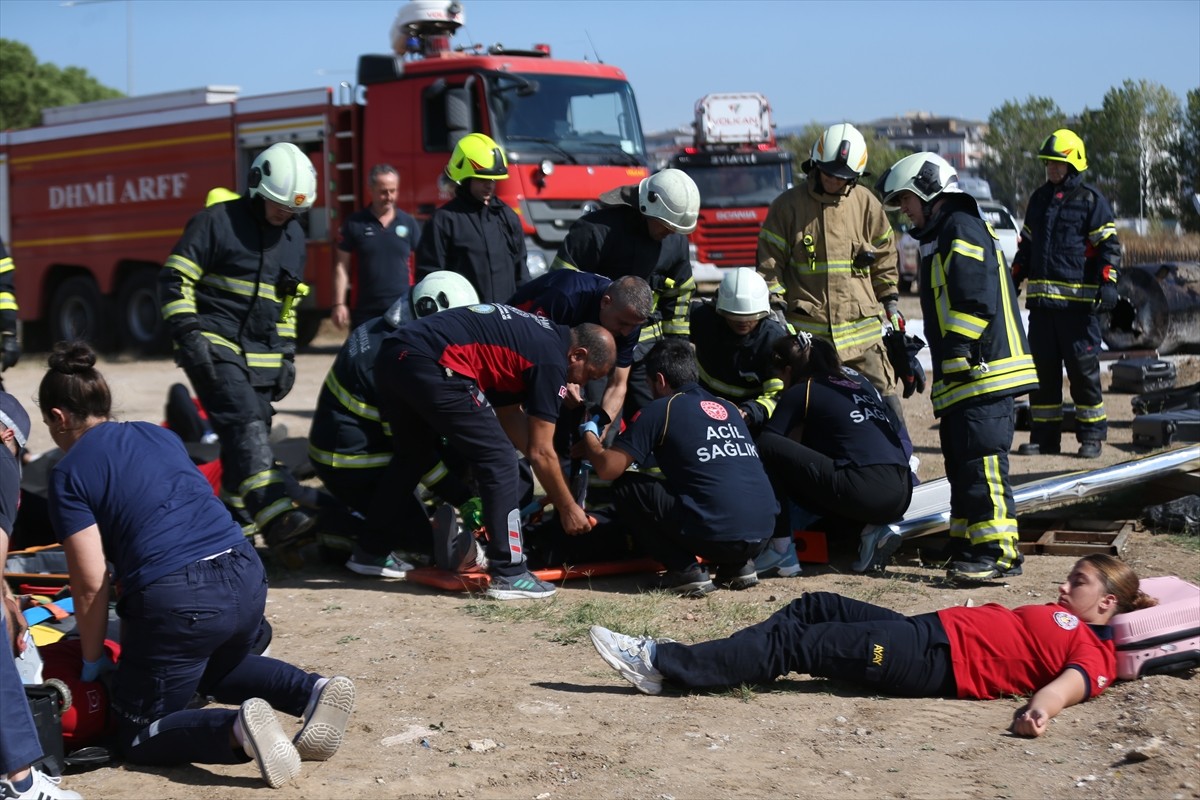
(267, 744)
(631, 656)
(325, 720)
(44, 787)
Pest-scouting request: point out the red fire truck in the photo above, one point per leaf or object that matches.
(92, 201)
(739, 169)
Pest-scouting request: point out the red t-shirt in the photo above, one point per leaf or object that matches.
(999, 651)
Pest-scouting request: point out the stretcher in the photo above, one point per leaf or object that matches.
(476, 580)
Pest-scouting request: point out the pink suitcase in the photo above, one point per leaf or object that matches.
(1165, 638)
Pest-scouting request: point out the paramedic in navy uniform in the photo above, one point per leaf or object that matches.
(474, 376)
(130, 507)
(715, 502)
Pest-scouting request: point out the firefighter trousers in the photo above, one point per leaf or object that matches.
(1070, 339)
(240, 414)
(975, 444)
(424, 404)
(824, 635)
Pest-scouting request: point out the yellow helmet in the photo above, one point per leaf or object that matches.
(477, 156)
(1066, 146)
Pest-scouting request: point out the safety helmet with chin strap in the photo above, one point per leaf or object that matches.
(1065, 146)
(438, 291)
(284, 174)
(743, 295)
(840, 152)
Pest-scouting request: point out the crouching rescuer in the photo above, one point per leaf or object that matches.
(228, 292)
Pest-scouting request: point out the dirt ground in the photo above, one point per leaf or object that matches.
(459, 698)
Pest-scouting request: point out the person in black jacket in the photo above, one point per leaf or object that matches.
(10, 345)
(228, 292)
(476, 234)
(642, 231)
(1070, 254)
(980, 357)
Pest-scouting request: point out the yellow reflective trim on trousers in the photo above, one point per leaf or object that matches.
(6, 265)
(348, 461)
(185, 267)
(8, 302)
(945, 396)
(726, 389)
(262, 518)
(260, 480)
(239, 287)
(995, 486)
(967, 325)
(350, 401)
(958, 527)
(1046, 414)
(966, 249)
(773, 239)
(1090, 413)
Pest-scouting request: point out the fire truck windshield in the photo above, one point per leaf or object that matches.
(567, 118)
(740, 185)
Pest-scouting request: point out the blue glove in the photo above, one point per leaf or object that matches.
(589, 427)
(92, 670)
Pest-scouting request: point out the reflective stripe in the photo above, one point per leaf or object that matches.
(967, 325)
(349, 461)
(827, 267)
(1090, 414)
(6, 265)
(260, 480)
(258, 360)
(844, 335)
(8, 302)
(431, 478)
(262, 518)
(1105, 231)
(1045, 414)
(966, 249)
(1006, 375)
(239, 287)
(187, 268)
(1058, 290)
(350, 401)
(773, 239)
(727, 390)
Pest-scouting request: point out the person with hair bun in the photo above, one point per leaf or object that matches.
(1060, 653)
(833, 447)
(190, 593)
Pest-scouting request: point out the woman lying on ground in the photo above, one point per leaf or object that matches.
(1060, 652)
(190, 593)
(832, 447)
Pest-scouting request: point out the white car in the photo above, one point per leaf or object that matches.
(1005, 226)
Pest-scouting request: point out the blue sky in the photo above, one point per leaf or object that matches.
(817, 60)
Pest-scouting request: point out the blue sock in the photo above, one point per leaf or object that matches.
(25, 785)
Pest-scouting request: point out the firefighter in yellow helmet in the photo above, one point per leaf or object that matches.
(1069, 253)
(476, 234)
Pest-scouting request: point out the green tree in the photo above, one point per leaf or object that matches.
(1129, 142)
(1187, 161)
(26, 87)
(1015, 132)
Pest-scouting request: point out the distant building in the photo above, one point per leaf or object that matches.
(959, 141)
(661, 145)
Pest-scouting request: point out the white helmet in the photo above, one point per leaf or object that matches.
(926, 175)
(439, 291)
(841, 152)
(670, 196)
(284, 174)
(743, 294)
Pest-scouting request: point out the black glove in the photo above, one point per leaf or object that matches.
(1107, 297)
(194, 354)
(915, 380)
(10, 351)
(285, 380)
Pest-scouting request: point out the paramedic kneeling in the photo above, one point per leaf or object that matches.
(714, 500)
(190, 593)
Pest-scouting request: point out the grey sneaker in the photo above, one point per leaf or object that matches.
(389, 566)
(325, 720)
(525, 586)
(631, 656)
(267, 744)
(736, 576)
(691, 582)
(785, 564)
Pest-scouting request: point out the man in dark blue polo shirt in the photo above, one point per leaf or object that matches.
(621, 306)
(714, 501)
(474, 376)
(384, 237)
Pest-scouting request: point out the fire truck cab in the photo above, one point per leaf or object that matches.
(739, 169)
(92, 201)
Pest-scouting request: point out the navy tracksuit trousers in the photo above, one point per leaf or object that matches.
(824, 635)
(190, 632)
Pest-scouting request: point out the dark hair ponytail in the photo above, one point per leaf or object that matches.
(73, 384)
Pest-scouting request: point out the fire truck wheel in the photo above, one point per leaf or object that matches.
(77, 312)
(139, 315)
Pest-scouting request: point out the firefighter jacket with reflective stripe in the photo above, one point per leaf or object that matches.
(237, 279)
(347, 432)
(615, 241)
(1068, 246)
(8, 297)
(484, 244)
(738, 368)
(969, 305)
(812, 251)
